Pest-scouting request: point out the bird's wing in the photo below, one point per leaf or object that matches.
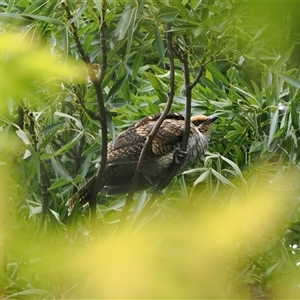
(129, 144)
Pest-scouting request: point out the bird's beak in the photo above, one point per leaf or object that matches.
(211, 120)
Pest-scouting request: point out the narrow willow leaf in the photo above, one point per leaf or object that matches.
(137, 64)
(283, 59)
(223, 179)
(155, 82)
(124, 23)
(159, 45)
(110, 124)
(116, 87)
(259, 33)
(35, 6)
(108, 75)
(182, 9)
(216, 73)
(257, 93)
(59, 183)
(232, 74)
(99, 8)
(28, 292)
(21, 134)
(60, 168)
(268, 79)
(52, 127)
(79, 12)
(234, 166)
(256, 146)
(273, 127)
(168, 13)
(130, 31)
(70, 144)
(213, 87)
(202, 177)
(65, 42)
(290, 80)
(139, 204)
(294, 113)
(46, 156)
(49, 136)
(77, 123)
(43, 18)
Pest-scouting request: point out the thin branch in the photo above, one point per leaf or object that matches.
(45, 183)
(97, 184)
(153, 132)
(200, 73)
(188, 102)
(183, 57)
(183, 147)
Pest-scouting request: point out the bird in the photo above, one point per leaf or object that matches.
(123, 154)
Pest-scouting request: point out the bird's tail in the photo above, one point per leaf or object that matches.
(81, 196)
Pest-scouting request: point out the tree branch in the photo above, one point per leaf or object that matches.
(45, 183)
(199, 74)
(153, 132)
(97, 184)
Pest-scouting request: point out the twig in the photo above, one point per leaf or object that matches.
(97, 184)
(199, 74)
(188, 100)
(45, 183)
(183, 57)
(153, 132)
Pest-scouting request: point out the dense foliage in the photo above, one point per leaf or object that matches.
(228, 227)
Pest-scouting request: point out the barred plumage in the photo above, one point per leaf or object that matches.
(123, 154)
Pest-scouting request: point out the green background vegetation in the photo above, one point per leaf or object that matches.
(228, 228)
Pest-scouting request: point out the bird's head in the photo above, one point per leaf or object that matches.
(203, 123)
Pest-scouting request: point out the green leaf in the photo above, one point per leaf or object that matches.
(235, 167)
(28, 292)
(232, 74)
(273, 126)
(46, 156)
(108, 76)
(69, 145)
(60, 168)
(116, 87)
(63, 115)
(52, 127)
(155, 82)
(79, 12)
(110, 124)
(168, 13)
(22, 135)
(213, 87)
(59, 183)
(65, 42)
(216, 73)
(137, 64)
(256, 146)
(159, 45)
(283, 58)
(124, 23)
(268, 79)
(202, 177)
(99, 8)
(290, 80)
(35, 6)
(9, 17)
(131, 31)
(223, 179)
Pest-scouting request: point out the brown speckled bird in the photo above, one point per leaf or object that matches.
(123, 154)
